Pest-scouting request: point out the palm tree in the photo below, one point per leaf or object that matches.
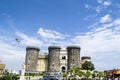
(100, 74)
(81, 73)
(71, 71)
(105, 73)
(94, 75)
(74, 71)
(64, 75)
(87, 74)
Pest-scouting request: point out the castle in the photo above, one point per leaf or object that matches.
(2, 67)
(56, 60)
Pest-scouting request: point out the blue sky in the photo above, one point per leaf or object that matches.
(92, 24)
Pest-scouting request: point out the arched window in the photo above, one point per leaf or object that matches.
(63, 57)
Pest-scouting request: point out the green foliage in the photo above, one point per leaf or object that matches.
(87, 65)
(76, 69)
(10, 77)
(15, 76)
(74, 79)
(64, 75)
(31, 74)
(94, 74)
(87, 74)
(71, 71)
(105, 73)
(5, 77)
(80, 73)
(100, 74)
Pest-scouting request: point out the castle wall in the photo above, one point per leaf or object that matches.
(42, 63)
(63, 60)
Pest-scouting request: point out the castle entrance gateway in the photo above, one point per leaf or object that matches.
(63, 69)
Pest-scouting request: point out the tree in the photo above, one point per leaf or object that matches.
(64, 75)
(94, 75)
(74, 71)
(87, 74)
(88, 65)
(100, 74)
(9, 76)
(80, 73)
(71, 71)
(105, 73)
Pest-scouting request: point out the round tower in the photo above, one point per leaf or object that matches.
(53, 59)
(31, 58)
(85, 58)
(73, 56)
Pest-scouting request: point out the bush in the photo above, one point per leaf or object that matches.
(9, 77)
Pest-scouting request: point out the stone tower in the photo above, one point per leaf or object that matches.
(53, 59)
(85, 58)
(31, 59)
(73, 56)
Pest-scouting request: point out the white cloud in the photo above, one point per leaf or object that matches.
(102, 43)
(98, 9)
(103, 4)
(106, 3)
(11, 55)
(50, 34)
(87, 6)
(99, 1)
(117, 5)
(105, 19)
(29, 41)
